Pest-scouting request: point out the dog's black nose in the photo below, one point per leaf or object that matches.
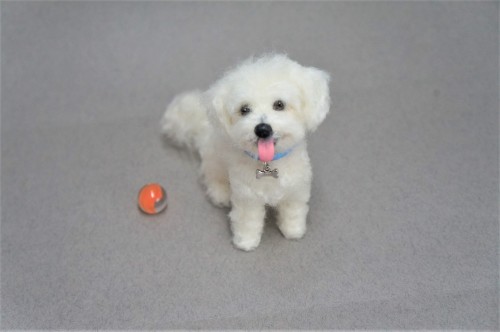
(263, 130)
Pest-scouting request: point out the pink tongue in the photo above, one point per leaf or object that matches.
(266, 150)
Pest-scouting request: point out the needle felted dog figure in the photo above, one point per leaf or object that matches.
(249, 129)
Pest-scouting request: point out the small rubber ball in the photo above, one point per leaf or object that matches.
(152, 198)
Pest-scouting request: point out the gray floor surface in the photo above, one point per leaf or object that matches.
(403, 227)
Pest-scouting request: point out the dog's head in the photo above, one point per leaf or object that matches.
(271, 98)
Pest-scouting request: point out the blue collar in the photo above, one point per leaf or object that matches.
(277, 156)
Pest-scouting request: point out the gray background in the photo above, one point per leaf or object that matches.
(403, 228)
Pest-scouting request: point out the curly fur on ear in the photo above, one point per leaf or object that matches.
(316, 97)
(217, 112)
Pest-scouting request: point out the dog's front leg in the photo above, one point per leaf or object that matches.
(247, 223)
(292, 215)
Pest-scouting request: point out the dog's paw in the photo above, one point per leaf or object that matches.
(292, 219)
(246, 243)
(293, 231)
(219, 193)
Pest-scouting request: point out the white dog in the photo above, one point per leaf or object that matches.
(249, 129)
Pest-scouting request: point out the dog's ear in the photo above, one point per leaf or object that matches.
(315, 96)
(217, 109)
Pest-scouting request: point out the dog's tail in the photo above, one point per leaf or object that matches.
(186, 120)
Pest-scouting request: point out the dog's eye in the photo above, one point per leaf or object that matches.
(245, 109)
(278, 105)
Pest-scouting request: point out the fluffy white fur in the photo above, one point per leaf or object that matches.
(212, 124)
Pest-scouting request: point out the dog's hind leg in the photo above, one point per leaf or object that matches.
(215, 178)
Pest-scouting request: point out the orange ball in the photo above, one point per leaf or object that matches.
(152, 198)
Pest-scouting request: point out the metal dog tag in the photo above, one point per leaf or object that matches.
(267, 171)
